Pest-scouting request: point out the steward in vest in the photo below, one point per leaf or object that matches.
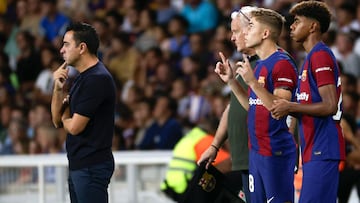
(186, 153)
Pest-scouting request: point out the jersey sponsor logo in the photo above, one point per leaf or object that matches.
(255, 101)
(322, 69)
(285, 80)
(303, 96)
(304, 75)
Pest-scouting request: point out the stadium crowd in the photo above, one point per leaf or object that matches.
(162, 54)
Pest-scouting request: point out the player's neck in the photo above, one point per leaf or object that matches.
(311, 41)
(266, 49)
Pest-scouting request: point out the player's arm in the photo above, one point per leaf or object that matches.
(328, 105)
(284, 77)
(210, 153)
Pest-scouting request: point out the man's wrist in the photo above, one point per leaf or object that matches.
(252, 84)
(215, 147)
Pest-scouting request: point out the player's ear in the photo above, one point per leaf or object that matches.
(266, 33)
(314, 26)
(83, 47)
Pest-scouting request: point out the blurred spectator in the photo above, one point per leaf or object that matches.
(28, 63)
(131, 23)
(348, 83)
(50, 60)
(29, 15)
(166, 131)
(125, 129)
(225, 8)
(201, 15)
(38, 114)
(179, 43)
(113, 21)
(165, 11)
(350, 61)
(163, 78)
(8, 78)
(345, 15)
(53, 23)
(163, 39)
(147, 66)
(47, 137)
(102, 27)
(122, 58)
(77, 10)
(179, 92)
(9, 30)
(95, 5)
(143, 118)
(131, 95)
(18, 142)
(193, 71)
(147, 35)
(199, 44)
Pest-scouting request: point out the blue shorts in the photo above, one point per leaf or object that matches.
(271, 178)
(320, 182)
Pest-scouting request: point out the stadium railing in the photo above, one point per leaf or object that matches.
(131, 167)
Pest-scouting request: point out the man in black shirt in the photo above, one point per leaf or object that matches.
(87, 114)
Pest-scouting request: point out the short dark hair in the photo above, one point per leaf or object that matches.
(316, 10)
(85, 33)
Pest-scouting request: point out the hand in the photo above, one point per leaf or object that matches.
(60, 76)
(244, 69)
(223, 69)
(280, 108)
(209, 156)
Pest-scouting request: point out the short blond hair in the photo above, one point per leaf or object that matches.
(270, 18)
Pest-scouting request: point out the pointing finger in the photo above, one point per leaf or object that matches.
(223, 59)
(63, 66)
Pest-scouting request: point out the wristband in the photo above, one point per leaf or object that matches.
(217, 148)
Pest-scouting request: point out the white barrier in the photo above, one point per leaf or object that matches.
(130, 159)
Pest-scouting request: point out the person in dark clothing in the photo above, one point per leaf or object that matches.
(87, 114)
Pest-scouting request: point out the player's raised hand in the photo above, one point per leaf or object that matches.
(223, 69)
(245, 71)
(60, 76)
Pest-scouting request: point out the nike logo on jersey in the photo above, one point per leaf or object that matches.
(269, 200)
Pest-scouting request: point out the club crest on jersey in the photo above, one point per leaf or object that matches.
(261, 80)
(303, 75)
(207, 182)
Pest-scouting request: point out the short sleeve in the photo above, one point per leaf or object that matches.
(284, 75)
(322, 68)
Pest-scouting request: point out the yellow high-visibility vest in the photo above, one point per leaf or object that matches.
(183, 163)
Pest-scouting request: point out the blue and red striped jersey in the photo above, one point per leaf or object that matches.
(321, 137)
(268, 136)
